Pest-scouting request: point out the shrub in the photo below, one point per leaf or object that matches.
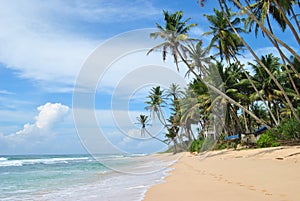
(267, 139)
(290, 129)
(196, 146)
(221, 146)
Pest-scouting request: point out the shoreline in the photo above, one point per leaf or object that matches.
(254, 174)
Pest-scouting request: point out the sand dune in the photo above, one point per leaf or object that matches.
(260, 174)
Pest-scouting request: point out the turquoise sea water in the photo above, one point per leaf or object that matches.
(78, 177)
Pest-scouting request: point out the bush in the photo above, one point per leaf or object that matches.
(196, 146)
(290, 129)
(221, 146)
(267, 139)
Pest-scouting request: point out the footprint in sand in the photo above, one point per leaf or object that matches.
(240, 184)
(268, 194)
(252, 188)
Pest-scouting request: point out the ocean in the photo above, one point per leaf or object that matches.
(79, 177)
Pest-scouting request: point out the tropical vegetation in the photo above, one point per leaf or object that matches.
(226, 95)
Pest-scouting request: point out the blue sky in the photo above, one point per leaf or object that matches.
(43, 48)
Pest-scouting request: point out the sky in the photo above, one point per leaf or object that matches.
(74, 74)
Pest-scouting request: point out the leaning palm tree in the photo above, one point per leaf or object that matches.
(144, 121)
(174, 33)
(262, 9)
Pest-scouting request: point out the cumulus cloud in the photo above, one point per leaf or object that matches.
(42, 128)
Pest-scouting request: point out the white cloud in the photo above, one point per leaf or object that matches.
(41, 130)
(36, 47)
(40, 39)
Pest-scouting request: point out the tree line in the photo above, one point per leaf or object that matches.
(232, 96)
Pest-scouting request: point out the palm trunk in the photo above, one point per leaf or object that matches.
(283, 57)
(288, 21)
(174, 146)
(246, 123)
(254, 87)
(295, 18)
(155, 137)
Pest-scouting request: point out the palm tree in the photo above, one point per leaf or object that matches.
(200, 58)
(285, 7)
(266, 85)
(262, 9)
(155, 104)
(195, 105)
(224, 39)
(174, 33)
(144, 120)
(273, 39)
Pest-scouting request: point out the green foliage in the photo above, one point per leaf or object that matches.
(290, 129)
(221, 146)
(267, 139)
(233, 145)
(196, 146)
(201, 145)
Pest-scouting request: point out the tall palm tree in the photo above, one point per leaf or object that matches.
(273, 39)
(174, 33)
(285, 7)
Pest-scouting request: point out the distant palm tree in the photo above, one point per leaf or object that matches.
(155, 104)
(175, 93)
(144, 120)
(200, 58)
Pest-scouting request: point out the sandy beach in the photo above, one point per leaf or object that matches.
(258, 174)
